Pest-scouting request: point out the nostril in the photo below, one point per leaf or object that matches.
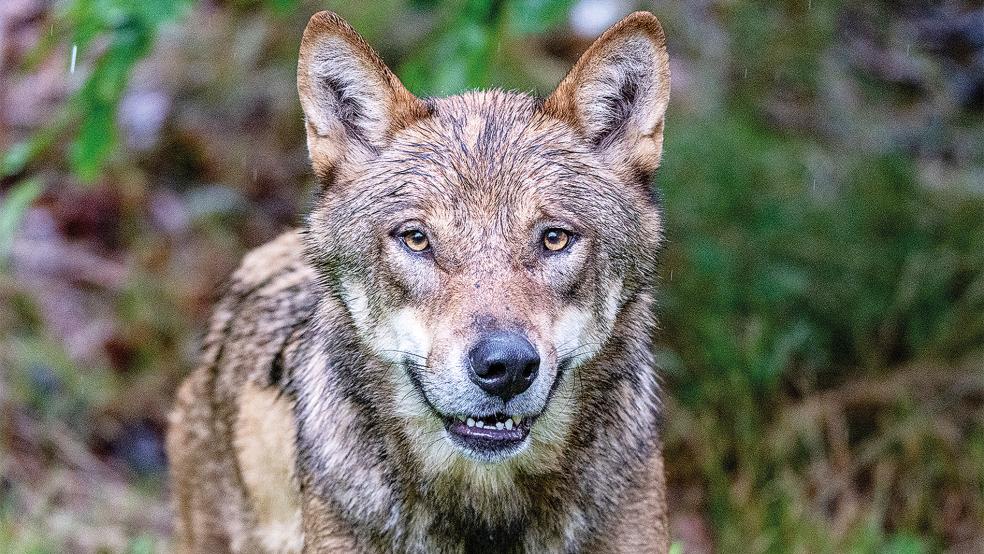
(494, 369)
(530, 369)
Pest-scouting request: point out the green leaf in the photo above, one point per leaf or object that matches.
(537, 16)
(89, 118)
(16, 158)
(99, 98)
(12, 210)
(904, 543)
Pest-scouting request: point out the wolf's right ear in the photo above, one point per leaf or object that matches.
(352, 102)
(616, 94)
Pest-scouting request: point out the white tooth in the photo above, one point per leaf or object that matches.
(480, 424)
(471, 422)
(509, 424)
(498, 425)
(517, 419)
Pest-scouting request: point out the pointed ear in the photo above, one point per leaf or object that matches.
(352, 102)
(617, 93)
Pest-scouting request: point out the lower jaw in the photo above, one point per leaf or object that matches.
(488, 445)
(489, 454)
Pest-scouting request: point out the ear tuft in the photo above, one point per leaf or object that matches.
(617, 92)
(352, 102)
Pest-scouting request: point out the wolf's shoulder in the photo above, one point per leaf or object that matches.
(266, 304)
(230, 428)
(272, 267)
(273, 284)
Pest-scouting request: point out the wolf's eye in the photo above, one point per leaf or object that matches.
(415, 240)
(556, 240)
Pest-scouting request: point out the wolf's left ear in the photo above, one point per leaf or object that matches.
(352, 102)
(617, 93)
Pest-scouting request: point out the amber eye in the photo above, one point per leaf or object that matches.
(556, 240)
(415, 240)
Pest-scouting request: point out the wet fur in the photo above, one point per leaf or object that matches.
(330, 353)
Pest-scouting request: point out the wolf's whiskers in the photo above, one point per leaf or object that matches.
(404, 352)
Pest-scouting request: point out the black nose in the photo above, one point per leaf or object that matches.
(504, 364)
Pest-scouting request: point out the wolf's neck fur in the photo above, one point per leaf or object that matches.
(357, 459)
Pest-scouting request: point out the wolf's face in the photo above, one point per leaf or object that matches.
(485, 245)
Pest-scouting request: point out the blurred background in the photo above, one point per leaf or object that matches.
(823, 288)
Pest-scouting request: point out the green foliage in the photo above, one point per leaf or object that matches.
(109, 37)
(536, 16)
(12, 210)
(467, 34)
(772, 286)
(469, 39)
(18, 155)
(774, 277)
(129, 28)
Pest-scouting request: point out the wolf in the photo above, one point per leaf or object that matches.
(455, 352)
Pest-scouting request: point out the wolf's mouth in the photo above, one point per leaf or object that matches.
(495, 434)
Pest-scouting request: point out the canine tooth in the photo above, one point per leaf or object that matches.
(471, 422)
(498, 425)
(517, 419)
(509, 424)
(480, 424)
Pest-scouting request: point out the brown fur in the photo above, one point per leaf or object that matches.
(335, 353)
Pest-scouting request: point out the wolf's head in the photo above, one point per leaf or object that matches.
(487, 246)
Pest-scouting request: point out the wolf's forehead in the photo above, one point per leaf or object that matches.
(471, 113)
(489, 143)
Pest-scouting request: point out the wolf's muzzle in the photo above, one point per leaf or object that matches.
(503, 364)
